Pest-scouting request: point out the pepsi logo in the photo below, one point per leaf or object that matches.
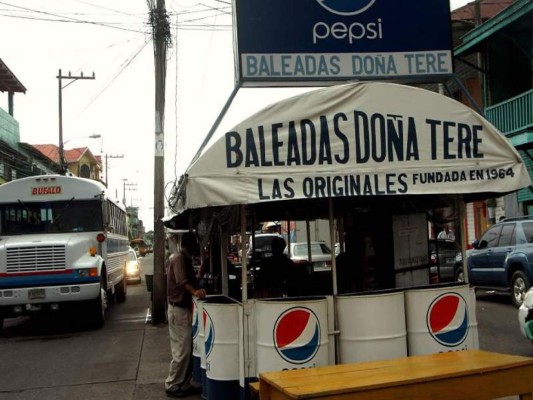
(297, 335)
(447, 319)
(195, 325)
(346, 7)
(209, 330)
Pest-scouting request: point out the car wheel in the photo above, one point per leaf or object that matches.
(519, 286)
(459, 276)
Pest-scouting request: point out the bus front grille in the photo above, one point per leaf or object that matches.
(35, 258)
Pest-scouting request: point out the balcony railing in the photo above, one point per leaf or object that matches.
(513, 115)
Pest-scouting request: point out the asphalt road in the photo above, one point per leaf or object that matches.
(498, 326)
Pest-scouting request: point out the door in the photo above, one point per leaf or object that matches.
(480, 258)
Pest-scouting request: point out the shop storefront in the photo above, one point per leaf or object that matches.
(381, 154)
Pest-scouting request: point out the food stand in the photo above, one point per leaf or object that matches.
(391, 149)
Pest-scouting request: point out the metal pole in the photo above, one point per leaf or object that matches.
(72, 78)
(61, 150)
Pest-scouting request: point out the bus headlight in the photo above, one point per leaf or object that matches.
(87, 272)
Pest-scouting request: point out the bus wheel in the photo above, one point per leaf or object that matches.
(121, 290)
(97, 308)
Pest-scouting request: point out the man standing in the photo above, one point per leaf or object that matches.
(181, 286)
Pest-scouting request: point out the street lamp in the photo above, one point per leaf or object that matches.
(93, 136)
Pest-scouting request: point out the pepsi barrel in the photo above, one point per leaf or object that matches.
(291, 333)
(372, 326)
(201, 346)
(221, 344)
(441, 318)
(196, 345)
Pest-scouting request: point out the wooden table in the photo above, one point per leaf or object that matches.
(471, 374)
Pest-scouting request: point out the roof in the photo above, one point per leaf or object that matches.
(52, 152)
(489, 8)
(49, 150)
(74, 155)
(514, 21)
(8, 81)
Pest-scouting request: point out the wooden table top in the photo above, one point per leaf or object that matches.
(365, 376)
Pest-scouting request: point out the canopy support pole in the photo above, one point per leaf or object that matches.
(460, 205)
(332, 241)
(224, 260)
(244, 266)
(217, 122)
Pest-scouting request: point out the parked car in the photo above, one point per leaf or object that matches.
(320, 255)
(525, 315)
(502, 260)
(263, 246)
(133, 267)
(443, 256)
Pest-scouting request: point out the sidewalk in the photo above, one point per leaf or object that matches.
(155, 354)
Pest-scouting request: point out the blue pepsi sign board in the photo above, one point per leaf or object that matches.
(328, 40)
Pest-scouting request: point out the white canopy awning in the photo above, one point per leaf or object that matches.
(358, 139)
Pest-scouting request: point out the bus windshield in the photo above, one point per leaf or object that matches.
(50, 217)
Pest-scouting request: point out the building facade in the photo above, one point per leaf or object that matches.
(494, 61)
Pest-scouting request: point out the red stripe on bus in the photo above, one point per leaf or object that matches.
(3, 274)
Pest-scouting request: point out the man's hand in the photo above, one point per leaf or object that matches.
(200, 293)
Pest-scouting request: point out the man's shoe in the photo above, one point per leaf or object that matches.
(193, 390)
(176, 393)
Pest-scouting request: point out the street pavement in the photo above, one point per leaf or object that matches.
(127, 359)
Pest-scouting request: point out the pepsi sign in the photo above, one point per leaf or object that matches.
(209, 330)
(346, 7)
(297, 335)
(335, 40)
(195, 322)
(447, 319)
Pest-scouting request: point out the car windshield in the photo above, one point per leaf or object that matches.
(264, 242)
(300, 250)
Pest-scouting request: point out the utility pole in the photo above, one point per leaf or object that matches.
(130, 187)
(161, 39)
(106, 163)
(60, 77)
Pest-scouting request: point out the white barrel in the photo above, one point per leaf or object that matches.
(196, 346)
(440, 318)
(201, 346)
(222, 331)
(372, 326)
(291, 333)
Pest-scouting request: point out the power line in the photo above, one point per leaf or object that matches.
(66, 19)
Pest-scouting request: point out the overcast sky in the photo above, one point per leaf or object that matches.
(112, 39)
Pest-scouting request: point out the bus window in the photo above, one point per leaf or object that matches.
(51, 217)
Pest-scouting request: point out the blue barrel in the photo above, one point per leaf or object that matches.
(222, 326)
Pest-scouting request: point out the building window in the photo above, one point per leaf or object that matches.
(85, 171)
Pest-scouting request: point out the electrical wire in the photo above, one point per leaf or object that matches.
(65, 19)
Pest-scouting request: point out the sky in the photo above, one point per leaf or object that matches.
(112, 39)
